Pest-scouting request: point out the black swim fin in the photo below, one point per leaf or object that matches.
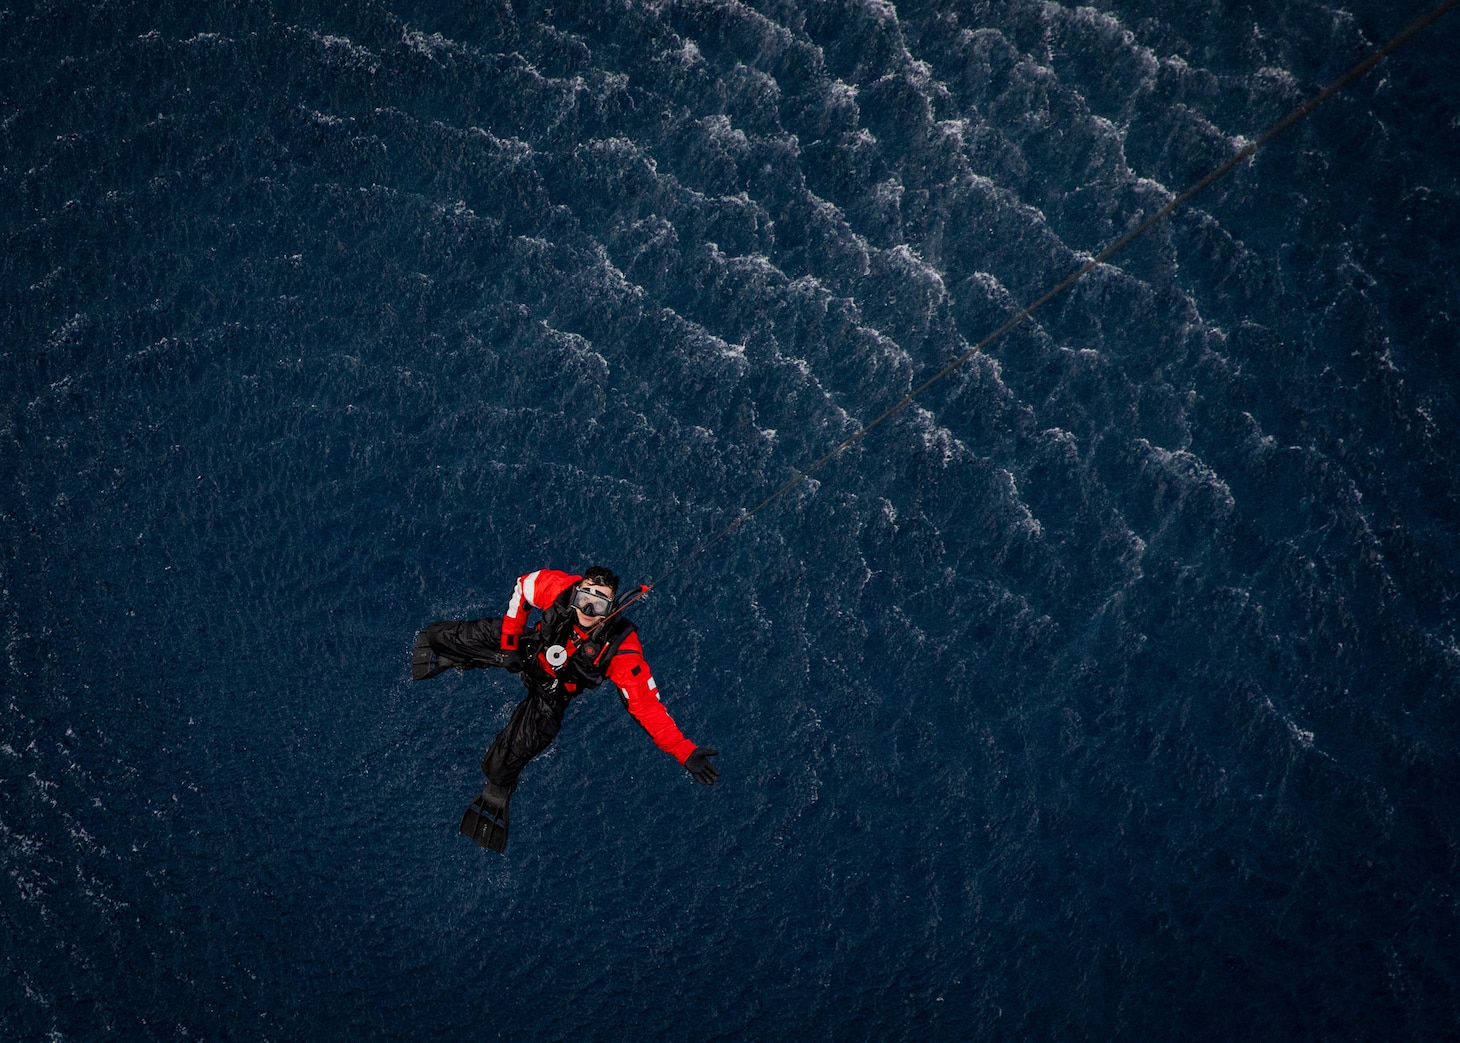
(485, 820)
(426, 661)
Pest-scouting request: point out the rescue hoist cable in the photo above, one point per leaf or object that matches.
(1412, 30)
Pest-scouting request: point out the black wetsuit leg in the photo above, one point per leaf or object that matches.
(531, 730)
(465, 644)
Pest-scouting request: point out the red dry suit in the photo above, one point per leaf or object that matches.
(617, 656)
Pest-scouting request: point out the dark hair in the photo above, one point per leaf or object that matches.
(603, 575)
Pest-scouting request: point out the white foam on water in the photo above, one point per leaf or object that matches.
(881, 10)
(342, 52)
(921, 271)
(935, 438)
(701, 338)
(841, 93)
(1189, 475)
(689, 54)
(605, 276)
(432, 45)
(323, 119)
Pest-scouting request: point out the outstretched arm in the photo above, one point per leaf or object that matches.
(641, 695)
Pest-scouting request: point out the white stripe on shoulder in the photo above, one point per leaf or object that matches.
(529, 587)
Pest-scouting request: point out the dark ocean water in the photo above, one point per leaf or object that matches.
(1112, 693)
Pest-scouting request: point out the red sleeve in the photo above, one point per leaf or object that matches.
(629, 671)
(535, 590)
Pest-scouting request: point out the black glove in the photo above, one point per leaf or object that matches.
(512, 661)
(700, 767)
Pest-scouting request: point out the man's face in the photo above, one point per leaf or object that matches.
(595, 597)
